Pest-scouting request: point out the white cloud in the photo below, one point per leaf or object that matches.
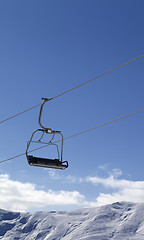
(112, 182)
(67, 179)
(20, 196)
(119, 189)
(103, 167)
(124, 190)
(53, 174)
(116, 172)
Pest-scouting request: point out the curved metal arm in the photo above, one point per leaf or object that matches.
(28, 144)
(41, 108)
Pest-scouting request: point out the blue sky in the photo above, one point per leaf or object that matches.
(46, 48)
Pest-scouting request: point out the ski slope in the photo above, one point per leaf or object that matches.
(118, 221)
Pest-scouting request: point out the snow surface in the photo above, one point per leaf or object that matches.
(119, 221)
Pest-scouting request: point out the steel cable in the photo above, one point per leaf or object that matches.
(79, 133)
(80, 85)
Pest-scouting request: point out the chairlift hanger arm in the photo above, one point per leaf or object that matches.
(40, 114)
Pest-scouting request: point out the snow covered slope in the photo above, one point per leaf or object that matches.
(119, 221)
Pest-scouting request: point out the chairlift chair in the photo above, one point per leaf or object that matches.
(56, 163)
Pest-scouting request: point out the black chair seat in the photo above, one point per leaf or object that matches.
(47, 163)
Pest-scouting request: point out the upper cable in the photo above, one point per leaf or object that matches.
(80, 85)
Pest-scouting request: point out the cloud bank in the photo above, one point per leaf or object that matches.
(122, 190)
(18, 196)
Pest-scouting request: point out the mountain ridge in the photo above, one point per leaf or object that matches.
(117, 221)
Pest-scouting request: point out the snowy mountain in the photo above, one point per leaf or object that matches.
(118, 221)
